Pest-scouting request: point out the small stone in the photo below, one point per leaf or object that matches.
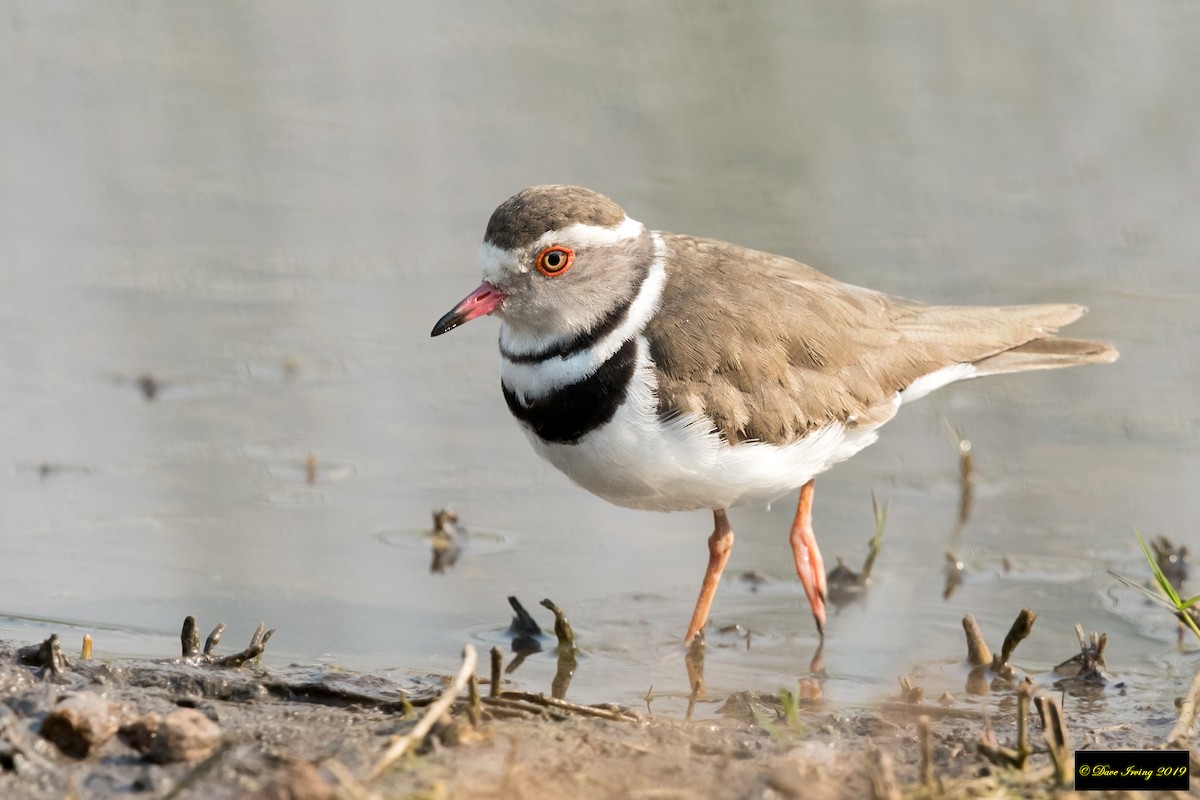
(183, 735)
(80, 723)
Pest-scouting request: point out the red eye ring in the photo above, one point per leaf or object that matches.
(554, 261)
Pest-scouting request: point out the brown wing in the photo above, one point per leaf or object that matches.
(770, 349)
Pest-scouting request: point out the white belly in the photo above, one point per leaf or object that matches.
(638, 460)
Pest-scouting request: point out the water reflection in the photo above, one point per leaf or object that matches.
(259, 208)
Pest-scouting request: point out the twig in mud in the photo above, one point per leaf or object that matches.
(978, 652)
(474, 707)
(1005, 756)
(883, 776)
(567, 650)
(981, 658)
(1024, 695)
(525, 709)
(498, 709)
(189, 637)
(562, 628)
(1056, 735)
(1020, 630)
(214, 639)
(435, 711)
(615, 714)
(1085, 668)
(925, 734)
(1181, 733)
(995, 752)
(846, 585)
(446, 540)
(258, 644)
(47, 656)
(910, 693)
(497, 663)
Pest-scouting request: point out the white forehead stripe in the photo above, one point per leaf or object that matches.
(591, 235)
(496, 260)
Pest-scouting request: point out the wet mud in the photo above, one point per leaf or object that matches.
(205, 725)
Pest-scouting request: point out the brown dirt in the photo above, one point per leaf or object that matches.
(314, 734)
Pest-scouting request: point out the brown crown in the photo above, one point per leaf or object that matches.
(523, 218)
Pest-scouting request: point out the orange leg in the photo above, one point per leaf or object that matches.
(809, 564)
(720, 545)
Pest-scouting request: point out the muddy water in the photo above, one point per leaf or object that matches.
(264, 209)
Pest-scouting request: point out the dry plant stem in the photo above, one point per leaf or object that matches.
(883, 777)
(53, 660)
(996, 753)
(214, 639)
(497, 665)
(1006, 756)
(924, 731)
(562, 628)
(978, 653)
(1056, 735)
(1021, 628)
(189, 637)
(258, 644)
(475, 708)
(495, 709)
(1024, 695)
(432, 715)
(617, 715)
(527, 709)
(1179, 735)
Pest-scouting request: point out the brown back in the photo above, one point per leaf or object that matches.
(770, 349)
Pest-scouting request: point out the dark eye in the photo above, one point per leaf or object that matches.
(555, 260)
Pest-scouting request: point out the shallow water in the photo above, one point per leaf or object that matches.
(266, 208)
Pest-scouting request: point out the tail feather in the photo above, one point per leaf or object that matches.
(1048, 353)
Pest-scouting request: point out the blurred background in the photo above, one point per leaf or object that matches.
(226, 230)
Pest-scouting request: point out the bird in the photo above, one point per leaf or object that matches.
(669, 372)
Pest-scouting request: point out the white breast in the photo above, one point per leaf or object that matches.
(641, 461)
